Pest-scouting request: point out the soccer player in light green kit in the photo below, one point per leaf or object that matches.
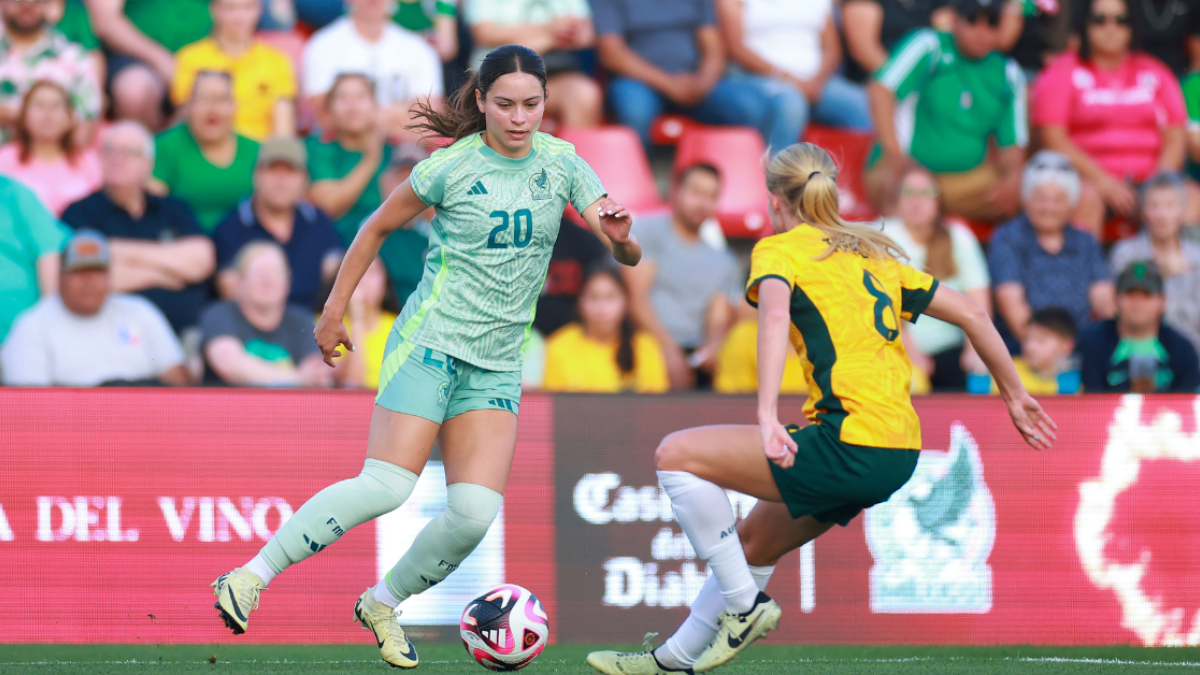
(453, 360)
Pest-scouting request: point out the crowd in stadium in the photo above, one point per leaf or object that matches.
(181, 177)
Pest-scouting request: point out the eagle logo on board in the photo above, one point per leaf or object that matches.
(539, 185)
(932, 538)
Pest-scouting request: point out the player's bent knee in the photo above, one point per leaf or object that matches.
(470, 510)
(671, 453)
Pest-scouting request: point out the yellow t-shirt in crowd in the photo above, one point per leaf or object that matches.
(737, 364)
(261, 76)
(1034, 384)
(846, 311)
(370, 348)
(575, 362)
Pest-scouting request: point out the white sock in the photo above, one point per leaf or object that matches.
(383, 594)
(258, 565)
(704, 513)
(681, 650)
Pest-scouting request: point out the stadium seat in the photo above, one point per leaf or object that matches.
(292, 44)
(737, 152)
(1118, 228)
(667, 129)
(616, 155)
(849, 150)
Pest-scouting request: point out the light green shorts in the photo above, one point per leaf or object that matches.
(429, 384)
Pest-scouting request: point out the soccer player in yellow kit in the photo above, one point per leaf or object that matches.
(837, 290)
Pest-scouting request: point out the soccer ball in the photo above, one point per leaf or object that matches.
(505, 628)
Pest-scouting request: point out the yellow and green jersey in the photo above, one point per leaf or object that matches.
(949, 106)
(846, 312)
(490, 244)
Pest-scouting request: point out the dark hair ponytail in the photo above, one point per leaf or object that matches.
(462, 116)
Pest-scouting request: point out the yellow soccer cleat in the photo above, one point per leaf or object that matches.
(237, 596)
(631, 663)
(735, 632)
(383, 621)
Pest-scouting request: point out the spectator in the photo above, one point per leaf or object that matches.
(257, 340)
(577, 254)
(737, 362)
(951, 253)
(30, 239)
(70, 17)
(604, 352)
(1136, 351)
(369, 320)
(403, 252)
(276, 212)
(874, 27)
(1038, 260)
(87, 335)
(347, 171)
(437, 23)
(556, 31)
(1044, 365)
(966, 94)
(1168, 30)
(1115, 111)
(158, 248)
(668, 55)
(792, 52)
(403, 67)
(684, 291)
(203, 161)
(141, 37)
(1163, 206)
(264, 84)
(43, 154)
(30, 51)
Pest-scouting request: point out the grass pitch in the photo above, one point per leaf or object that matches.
(444, 659)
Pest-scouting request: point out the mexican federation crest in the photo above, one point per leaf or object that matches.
(539, 185)
(932, 539)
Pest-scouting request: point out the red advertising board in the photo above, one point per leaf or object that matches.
(121, 506)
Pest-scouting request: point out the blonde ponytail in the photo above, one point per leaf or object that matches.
(805, 176)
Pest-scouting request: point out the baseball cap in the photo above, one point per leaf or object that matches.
(87, 250)
(287, 150)
(972, 10)
(1143, 275)
(407, 155)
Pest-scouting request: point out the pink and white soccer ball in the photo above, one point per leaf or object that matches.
(505, 628)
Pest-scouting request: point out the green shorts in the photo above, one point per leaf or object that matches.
(419, 381)
(833, 481)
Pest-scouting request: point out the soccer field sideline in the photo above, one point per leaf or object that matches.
(568, 660)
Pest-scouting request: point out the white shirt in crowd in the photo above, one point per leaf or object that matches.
(128, 339)
(934, 336)
(403, 65)
(786, 33)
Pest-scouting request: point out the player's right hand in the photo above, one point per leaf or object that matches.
(778, 444)
(331, 334)
(1036, 427)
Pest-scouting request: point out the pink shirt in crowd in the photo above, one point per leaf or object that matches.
(1116, 116)
(57, 184)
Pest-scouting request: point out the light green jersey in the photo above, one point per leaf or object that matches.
(490, 244)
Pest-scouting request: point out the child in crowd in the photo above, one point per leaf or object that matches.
(1044, 364)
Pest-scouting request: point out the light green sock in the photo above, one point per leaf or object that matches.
(446, 541)
(332, 512)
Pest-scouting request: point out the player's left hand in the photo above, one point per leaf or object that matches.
(1036, 427)
(615, 221)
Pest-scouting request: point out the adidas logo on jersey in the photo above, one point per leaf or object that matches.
(477, 189)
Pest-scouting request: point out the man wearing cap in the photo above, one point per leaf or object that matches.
(277, 212)
(1137, 351)
(939, 100)
(86, 335)
(158, 249)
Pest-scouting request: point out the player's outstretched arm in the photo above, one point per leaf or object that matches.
(1027, 415)
(611, 223)
(397, 210)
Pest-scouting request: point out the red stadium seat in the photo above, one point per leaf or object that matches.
(1118, 228)
(738, 153)
(849, 150)
(292, 44)
(616, 155)
(669, 128)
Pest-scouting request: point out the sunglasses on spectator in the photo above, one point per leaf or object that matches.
(923, 193)
(1102, 19)
(1051, 164)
